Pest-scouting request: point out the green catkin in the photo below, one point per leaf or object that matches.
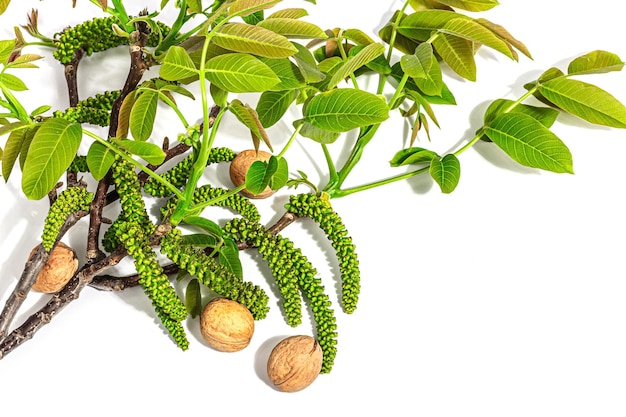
(100, 101)
(318, 209)
(214, 275)
(95, 35)
(179, 173)
(175, 329)
(299, 271)
(70, 200)
(96, 117)
(205, 193)
(132, 229)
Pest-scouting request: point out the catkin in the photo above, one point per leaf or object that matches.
(70, 201)
(320, 210)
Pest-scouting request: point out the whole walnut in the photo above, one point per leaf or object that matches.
(60, 268)
(239, 168)
(226, 325)
(294, 363)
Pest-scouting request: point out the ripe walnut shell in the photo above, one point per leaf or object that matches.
(60, 268)
(226, 325)
(239, 168)
(294, 363)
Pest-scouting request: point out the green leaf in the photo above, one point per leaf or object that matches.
(149, 152)
(545, 115)
(357, 36)
(402, 43)
(446, 172)
(193, 298)
(229, 257)
(240, 73)
(475, 32)
(11, 82)
(530, 143)
(175, 88)
(177, 65)
(289, 13)
(418, 65)
(52, 150)
(306, 63)
(413, 156)
(595, 62)
(273, 105)
(10, 127)
(99, 160)
(205, 224)
(317, 134)
(471, 5)
(241, 37)
(200, 239)
(25, 61)
(246, 7)
(367, 54)
(289, 74)
(293, 28)
(6, 46)
(12, 149)
(504, 34)
(28, 139)
(123, 122)
(587, 101)
(143, 115)
(259, 175)
(40, 110)
(458, 53)
(219, 96)
(344, 109)
(248, 116)
(254, 18)
(281, 176)
(420, 25)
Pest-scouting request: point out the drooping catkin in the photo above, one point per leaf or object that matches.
(320, 210)
(71, 200)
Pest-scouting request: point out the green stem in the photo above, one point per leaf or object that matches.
(291, 140)
(392, 42)
(331, 166)
(142, 167)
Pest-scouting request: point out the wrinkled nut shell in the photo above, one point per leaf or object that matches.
(60, 268)
(226, 325)
(239, 168)
(295, 362)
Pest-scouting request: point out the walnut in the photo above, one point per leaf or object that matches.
(60, 268)
(295, 362)
(226, 325)
(239, 168)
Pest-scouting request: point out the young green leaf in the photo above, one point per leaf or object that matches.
(143, 114)
(3, 5)
(195, 5)
(458, 53)
(504, 34)
(272, 105)
(418, 64)
(364, 56)
(319, 135)
(149, 152)
(595, 62)
(475, 32)
(246, 7)
(290, 75)
(229, 257)
(530, 143)
(11, 82)
(99, 160)
(357, 36)
(420, 25)
(241, 37)
(293, 28)
(412, 156)
(193, 298)
(25, 61)
(259, 175)
(240, 73)
(344, 109)
(28, 139)
(248, 116)
(123, 122)
(446, 172)
(52, 150)
(307, 64)
(12, 149)
(200, 239)
(289, 13)
(205, 224)
(177, 65)
(6, 46)
(281, 176)
(587, 101)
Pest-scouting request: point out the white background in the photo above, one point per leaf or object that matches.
(504, 298)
